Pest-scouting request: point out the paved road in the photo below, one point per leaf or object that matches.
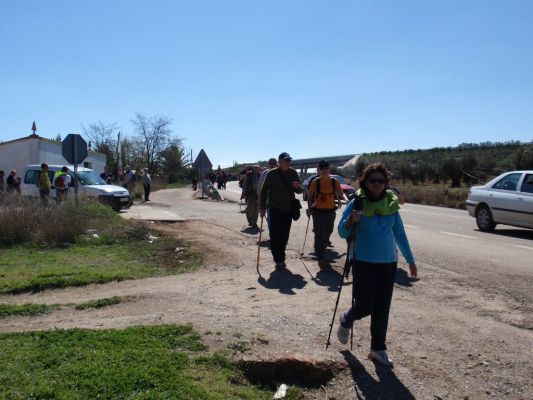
(438, 233)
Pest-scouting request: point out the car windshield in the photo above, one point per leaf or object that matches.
(88, 178)
(340, 179)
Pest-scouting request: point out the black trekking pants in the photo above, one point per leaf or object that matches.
(280, 228)
(323, 224)
(146, 191)
(373, 285)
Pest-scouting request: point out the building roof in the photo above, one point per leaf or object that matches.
(35, 136)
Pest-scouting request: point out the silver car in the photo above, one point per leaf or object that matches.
(507, 199)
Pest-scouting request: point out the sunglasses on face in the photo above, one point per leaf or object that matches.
(376, 180)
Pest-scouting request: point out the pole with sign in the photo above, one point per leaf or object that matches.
(74, 150)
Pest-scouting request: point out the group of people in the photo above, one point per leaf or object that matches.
(11, 184)
(128, 178)
(371, 224)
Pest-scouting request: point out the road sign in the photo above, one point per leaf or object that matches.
(202, 161)
(74, 149)
(203, 165)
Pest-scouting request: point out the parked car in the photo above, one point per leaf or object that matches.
(347, 189)
(507, 199)
(89, 184)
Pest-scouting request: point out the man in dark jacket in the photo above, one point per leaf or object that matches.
(280, 185)
(249, 192)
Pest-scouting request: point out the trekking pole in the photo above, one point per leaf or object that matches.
(336, 306)
(305, 237)
(259, 247)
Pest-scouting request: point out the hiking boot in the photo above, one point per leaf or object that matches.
(343, 333)
(324, 264)
(280, 266)
(381, 357)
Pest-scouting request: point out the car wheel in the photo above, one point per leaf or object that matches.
(484, 219)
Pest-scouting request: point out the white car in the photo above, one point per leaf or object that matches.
(89, 184)
(507, 199)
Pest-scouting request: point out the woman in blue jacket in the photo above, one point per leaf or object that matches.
(378, 231)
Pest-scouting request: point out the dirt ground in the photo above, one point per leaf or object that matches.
(450, 338)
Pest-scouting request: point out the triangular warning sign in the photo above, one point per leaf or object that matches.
(202, 161)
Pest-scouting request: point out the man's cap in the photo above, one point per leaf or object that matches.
(272, 161)
(323, 164)
(285, 156)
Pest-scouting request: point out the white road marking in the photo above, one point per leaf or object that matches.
(456, 234)
(411, 226)
(523, 247)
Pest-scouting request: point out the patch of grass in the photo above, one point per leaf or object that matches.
(32, 269)
(433, 195)
(155, 362)
(241, 346)
(7, 310)
(100, 303)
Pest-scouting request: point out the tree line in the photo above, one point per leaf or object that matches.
(466, 164)
(151, 145)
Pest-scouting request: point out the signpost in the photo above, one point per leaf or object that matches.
(203, 165)
(74, 150)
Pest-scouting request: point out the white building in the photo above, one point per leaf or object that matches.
(33, 149)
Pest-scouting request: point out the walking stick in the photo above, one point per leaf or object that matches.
(358, 207)
(259, 247)
(337, 301)
(305, 237)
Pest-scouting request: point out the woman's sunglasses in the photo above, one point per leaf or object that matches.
(376, 180)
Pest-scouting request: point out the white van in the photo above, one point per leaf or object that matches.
(89, 184)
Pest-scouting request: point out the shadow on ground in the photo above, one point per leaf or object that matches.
(388, 387)
(284, 281)
(514, 233)
(402, 278)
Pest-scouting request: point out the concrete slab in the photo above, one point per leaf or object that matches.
(151, 212)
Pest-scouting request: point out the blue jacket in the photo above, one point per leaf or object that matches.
(377, 236)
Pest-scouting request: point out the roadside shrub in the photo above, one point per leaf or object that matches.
(24, 220)
(136, 231)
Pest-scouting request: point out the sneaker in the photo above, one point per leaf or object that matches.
(343, 333)
(381, 357)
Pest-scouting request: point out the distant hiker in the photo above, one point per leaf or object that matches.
(11, 182)
(249, 192)
(324, 198)
(106, 176)
(19, 183)
(194, 182)
(272, 163)
(2, 183)
(147, 181)
(44, 184)
(129, 178)
(277, 194)
(378, 231)
(61, 183)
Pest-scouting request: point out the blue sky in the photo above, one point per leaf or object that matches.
(248, 79)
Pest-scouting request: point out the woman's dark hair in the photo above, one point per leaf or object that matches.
(374, 167)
